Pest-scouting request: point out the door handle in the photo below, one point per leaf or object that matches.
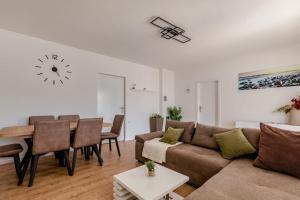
(200, 108)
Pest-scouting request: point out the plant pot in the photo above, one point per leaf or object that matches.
(294, 117)
(156, 124)
(151, 173)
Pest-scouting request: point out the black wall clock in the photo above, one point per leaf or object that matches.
(52, 68)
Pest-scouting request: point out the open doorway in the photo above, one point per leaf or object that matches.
(111, 98)
(208, 103)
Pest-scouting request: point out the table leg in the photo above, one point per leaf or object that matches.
(28, 153)
(26, 160)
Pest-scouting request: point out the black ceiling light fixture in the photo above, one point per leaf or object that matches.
(169, 30)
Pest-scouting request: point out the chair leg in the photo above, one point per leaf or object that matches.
(82, 151)
(88, 153)
(109, 144)
(34, 163)
(100, 147)
(117, 144)
(68, 162)
(56, 155)
(92, 152)
(18, 168)
(95, 149)
(74, 161)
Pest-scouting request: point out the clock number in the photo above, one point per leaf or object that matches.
(67, 66)
(53, 82)
(38, 66)
(61, 82)
(39, 74)
(62, 60)
(45, 79)
(40, 60)
(69, 72)
(54, 56)
(67, 77)
(47, 57)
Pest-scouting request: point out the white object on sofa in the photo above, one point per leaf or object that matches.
(136, 184)
(156, 150)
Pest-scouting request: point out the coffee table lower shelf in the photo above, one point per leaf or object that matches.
(120, 193)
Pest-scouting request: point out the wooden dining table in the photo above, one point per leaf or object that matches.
(26, 132)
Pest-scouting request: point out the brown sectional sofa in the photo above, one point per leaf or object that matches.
(200, 159)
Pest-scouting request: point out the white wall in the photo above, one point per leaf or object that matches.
(257, 105)
(167, 89)
(23, 93)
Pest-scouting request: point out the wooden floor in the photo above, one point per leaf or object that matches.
(89, 182)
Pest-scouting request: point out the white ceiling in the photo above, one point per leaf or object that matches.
(220, 29)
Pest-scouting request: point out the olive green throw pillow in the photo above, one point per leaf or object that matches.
(172, 135)
(233, 144)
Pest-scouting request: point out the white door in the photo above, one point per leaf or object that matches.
(111, 98)
(208, 103)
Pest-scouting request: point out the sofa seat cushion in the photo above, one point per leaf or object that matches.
(241, 181)
(196, 162)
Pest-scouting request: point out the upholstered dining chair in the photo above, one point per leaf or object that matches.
(74, 118)
(33, 119)
(88, 134)
(114, 133)
(49, 136)
(71, 118)
(13, 150)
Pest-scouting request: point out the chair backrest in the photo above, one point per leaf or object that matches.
(88, 132)
(71, 118)
(51, 136)
(117, 124)
(33, 119)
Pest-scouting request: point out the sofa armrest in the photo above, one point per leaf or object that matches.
(148, 136)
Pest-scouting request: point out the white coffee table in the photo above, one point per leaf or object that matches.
(136, 184)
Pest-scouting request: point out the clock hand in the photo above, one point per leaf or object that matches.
(58, 74)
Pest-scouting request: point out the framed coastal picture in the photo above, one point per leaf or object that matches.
(270, 78)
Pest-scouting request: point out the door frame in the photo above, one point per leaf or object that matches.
(197, 98)
(125, 107)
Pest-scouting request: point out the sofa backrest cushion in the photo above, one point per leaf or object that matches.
(204, 136)
(187, 126)
(253, 136)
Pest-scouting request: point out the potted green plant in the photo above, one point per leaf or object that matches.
(156, 122)
(151, 167)
(293, 109)
(174, 113)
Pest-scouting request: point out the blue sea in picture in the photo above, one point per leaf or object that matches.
(254, 80)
